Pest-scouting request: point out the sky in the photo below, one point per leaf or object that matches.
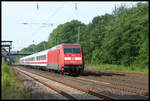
(27, 23)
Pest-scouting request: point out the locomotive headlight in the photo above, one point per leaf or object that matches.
(78, 58)
(67, 58)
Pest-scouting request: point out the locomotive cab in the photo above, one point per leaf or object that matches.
(73, 59)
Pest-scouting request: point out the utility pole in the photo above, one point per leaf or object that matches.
(79, 34)
(37, 6)
(76, 10)
(34, 50)
(55, 40)
(44, 46)
(75, 6)
(78, 41)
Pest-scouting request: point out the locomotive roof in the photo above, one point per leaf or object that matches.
(71, 44)
(56, 47)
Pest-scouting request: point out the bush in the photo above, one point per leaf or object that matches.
(11, 86)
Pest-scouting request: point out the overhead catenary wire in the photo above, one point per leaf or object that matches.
(78, 29)
(53, 14)
(57, 10)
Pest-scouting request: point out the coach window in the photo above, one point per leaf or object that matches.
(44, 57)
(37, 58)
(32, 59)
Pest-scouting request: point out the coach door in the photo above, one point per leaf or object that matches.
(58, 59)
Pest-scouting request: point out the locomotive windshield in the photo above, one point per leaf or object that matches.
(71, 50)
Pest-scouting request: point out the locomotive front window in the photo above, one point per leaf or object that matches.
(76, 50)
(67, 50)
(71, 50)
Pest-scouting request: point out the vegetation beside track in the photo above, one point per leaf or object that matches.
(117, 68)
(11, 86)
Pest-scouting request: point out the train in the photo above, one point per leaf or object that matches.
(65, 58)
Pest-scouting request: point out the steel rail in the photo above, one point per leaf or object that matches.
(52, 87)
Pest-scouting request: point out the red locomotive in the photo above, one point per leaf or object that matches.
(66, 57)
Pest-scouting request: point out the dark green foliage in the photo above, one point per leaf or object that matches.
(117, 38)
(65, 32)
(36, 48)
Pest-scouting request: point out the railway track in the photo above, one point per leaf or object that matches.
(117, 85)
(49, 86)
(122, 76)
(126, 79)
(89, 94)
(97, 83)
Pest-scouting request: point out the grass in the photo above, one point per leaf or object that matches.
(11, 86)
(119, 68)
